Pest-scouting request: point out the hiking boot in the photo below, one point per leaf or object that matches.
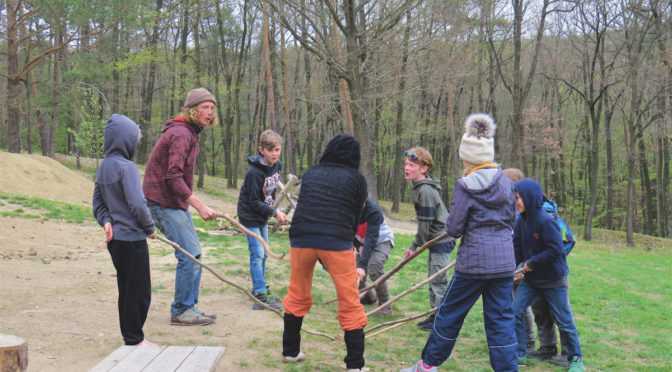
(420, 367)
(576, 365)
(560, 360)
(261, 296)
(385, 310)
(368, 298)
(544, 352)
(429, 321)
(190, 317)
(294, 359)
(213, 316)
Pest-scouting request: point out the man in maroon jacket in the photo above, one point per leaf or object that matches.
(168, 188)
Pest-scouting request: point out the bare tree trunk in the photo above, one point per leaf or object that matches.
(58, 59)
(269, 76)
(148, 92)
(13, 87)
(399, 126)
(288, 127)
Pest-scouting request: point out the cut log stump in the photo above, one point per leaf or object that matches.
(13, 353)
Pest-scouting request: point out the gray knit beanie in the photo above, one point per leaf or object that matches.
(198, 95)
(478, 142)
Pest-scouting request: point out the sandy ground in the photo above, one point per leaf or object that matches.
(59, 285)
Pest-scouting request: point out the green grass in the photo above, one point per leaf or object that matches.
(28, 207)
(620, 298)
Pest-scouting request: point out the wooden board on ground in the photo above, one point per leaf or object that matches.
(161, 358)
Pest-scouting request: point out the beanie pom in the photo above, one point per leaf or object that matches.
(479, 125)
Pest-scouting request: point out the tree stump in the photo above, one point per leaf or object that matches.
(13, 353)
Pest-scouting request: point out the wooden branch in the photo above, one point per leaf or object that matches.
(412, 289)
(402, 320)
(238, 287)
(250, 233)
(401, 264)
(399, 323)
(285, 190)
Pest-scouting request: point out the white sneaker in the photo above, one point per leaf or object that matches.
(294, 359)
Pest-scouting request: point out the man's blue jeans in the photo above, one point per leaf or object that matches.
(178, 227)
(558, 302)
(257, 259)
(460, 296)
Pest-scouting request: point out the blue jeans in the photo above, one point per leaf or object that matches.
(460, 296)
(257, 258)
(178, 227)
(558, 302)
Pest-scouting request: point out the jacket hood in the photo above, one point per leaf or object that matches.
(489, 187)
(258, 161)
(179, 122)
(429, 180)
(342, 149)
(533, 198)
(121, 136)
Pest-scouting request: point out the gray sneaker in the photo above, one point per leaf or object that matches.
(267, 300)
(385, 310)
(190, 317)
(418, 368)
(213, 316)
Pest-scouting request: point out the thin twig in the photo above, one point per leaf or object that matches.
(256, 236)
(412, 289)
(401, 264)
(397, 323)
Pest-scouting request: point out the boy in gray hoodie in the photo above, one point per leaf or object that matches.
(120, 207)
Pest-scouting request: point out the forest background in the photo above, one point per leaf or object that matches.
(581, 90)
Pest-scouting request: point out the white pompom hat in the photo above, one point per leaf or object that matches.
(478, 141)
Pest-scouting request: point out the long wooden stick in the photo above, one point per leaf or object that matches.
(256, 236)
(412, 289)
(245, 291)
(401, 264)
(402, 320)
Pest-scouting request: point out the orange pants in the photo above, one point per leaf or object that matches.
(341, 266)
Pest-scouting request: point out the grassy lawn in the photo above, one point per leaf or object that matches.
(620, 297)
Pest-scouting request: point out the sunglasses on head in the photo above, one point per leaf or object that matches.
(412, 155)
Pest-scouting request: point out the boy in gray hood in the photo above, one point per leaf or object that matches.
(120, 207)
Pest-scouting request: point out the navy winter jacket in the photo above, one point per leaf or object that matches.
(331, 199)
(118, 196)
(257, 195)
(537, 239)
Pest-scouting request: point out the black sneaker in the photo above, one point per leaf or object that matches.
(544, 352)
(263, 297)
(368, 298)
(427, 323)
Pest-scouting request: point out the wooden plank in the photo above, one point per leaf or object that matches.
(112, 359)
(138, 358)
(169, 359)
(203, 358)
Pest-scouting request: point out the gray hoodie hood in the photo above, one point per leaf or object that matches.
(121, 136)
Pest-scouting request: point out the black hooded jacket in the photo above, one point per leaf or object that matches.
(257, 195)
(331, 199)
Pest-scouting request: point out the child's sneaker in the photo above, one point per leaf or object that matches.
(385, 310)
(294, 359)
(560, 360)
(544, 352)
(576, 365)
(420, 367)
(522, 361)
(272, 296)
(261, 296)
(363, 369)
